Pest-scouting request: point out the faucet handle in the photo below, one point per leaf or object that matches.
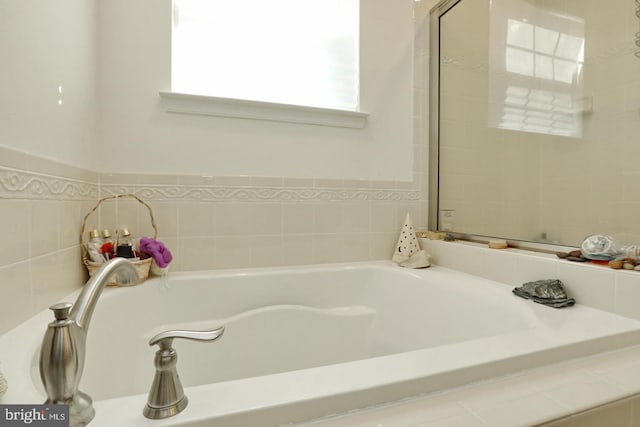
(210, 335)
(61, 310)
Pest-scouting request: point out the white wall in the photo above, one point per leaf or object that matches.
(43, 45)
(139, 136)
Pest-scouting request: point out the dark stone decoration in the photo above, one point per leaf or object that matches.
(549, 292)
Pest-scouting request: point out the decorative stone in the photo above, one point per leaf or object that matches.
(637, 268)
(562, 255)
(598, 246)
(549, 292)
(577, 253)
(498, 244)
(616, 263)
(628, 266)
(549, 288)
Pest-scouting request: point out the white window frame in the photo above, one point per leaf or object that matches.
(176, 102)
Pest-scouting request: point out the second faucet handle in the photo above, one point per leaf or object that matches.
(210, 335)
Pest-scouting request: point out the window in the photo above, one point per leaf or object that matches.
(300, 52)
(536, 70)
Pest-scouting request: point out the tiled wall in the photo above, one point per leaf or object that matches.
(41, 204)
(207, 222)
(228, 222)
(615, 291)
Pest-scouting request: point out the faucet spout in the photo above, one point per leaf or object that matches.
(64, 344)
(82, 310)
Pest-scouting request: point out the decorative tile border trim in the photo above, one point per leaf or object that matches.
(257, 194)
(19, 184)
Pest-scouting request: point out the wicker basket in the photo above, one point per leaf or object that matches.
(142, 266)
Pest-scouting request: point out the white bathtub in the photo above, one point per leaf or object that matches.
(304, 342)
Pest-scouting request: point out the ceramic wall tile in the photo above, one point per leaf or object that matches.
(45, 223)
(355, 247)
(199, 253)
(230, 252)
(590, 285)
(500, 266)
(14, 228)
(14, 159)
(413, 209)
(355, 217)
(117, 214)
(266, 251)
(297, 182)
(53, 168)
(121, 178)
(327, 248)
(297, 249)
(158, 179)
(69, 225)
(532, 267)
(327, 218)
(261, 181)
(470, 259)
(15, 286)
(196, 180)
(297, 218)
(358, 183)
(627, 294)
(384, 218)
(233, 181)
(266, 219)
(596, 286)
(165, 216)
(196, 219)
(55, 275)
(382, 245)
(231, 218)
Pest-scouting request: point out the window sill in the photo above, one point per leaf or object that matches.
(259, 110)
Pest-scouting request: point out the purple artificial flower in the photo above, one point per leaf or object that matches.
(156, 250)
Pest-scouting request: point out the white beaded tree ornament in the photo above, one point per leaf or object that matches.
(407, 242)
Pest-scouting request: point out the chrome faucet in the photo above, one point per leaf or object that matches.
(64, 344)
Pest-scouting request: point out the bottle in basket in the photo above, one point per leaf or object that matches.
(108, 245)
(125, 244)
(94, 247)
